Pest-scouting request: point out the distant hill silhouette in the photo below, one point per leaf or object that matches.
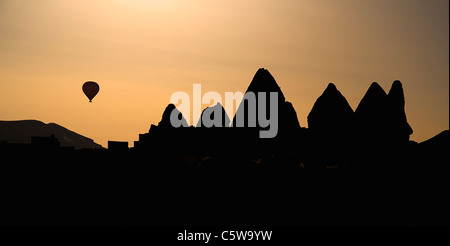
(21, 131)
(442, 138)
(437, 146)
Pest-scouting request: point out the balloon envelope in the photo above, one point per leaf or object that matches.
(90, 89)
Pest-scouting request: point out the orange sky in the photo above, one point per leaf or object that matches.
(142, 51)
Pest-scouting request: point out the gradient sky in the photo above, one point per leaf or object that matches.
(142, 51)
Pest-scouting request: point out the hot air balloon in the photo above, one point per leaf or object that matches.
(90, 89)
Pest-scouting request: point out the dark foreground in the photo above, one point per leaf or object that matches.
(101, 187)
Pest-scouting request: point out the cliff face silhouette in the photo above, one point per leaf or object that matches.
(22, 131)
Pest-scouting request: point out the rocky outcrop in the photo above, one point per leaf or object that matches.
(400, 130)
(370, 115)
(331, 113)
(381, 117)
(165, 120)
(263, 81)
(210, 114)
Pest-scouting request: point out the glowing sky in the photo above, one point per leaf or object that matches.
(140, 52)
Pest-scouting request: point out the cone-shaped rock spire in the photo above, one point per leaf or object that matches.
(330, 112)
(165, 121)
(212, 114)
(398, 123)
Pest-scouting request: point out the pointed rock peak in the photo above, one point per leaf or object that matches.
(396, 111)
(263, 72)
(211, 112)
(331, 90)
(331, 111)
(331, 87)
(375, 89)
(333, 95)
(374, 98)
(263, 78)
(218, 105)
(396, 89)
(263, 81)
(168, 111)
(165, 120)
(171, 106)
(397, 83)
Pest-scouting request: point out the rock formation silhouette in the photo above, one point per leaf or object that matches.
(162, 135)
(370, 115)
(347, 168)
(380, 119)
(331, 114)
(331, 122)
(400, 130)
(263, 81)
(211, 113)
(165, 120)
